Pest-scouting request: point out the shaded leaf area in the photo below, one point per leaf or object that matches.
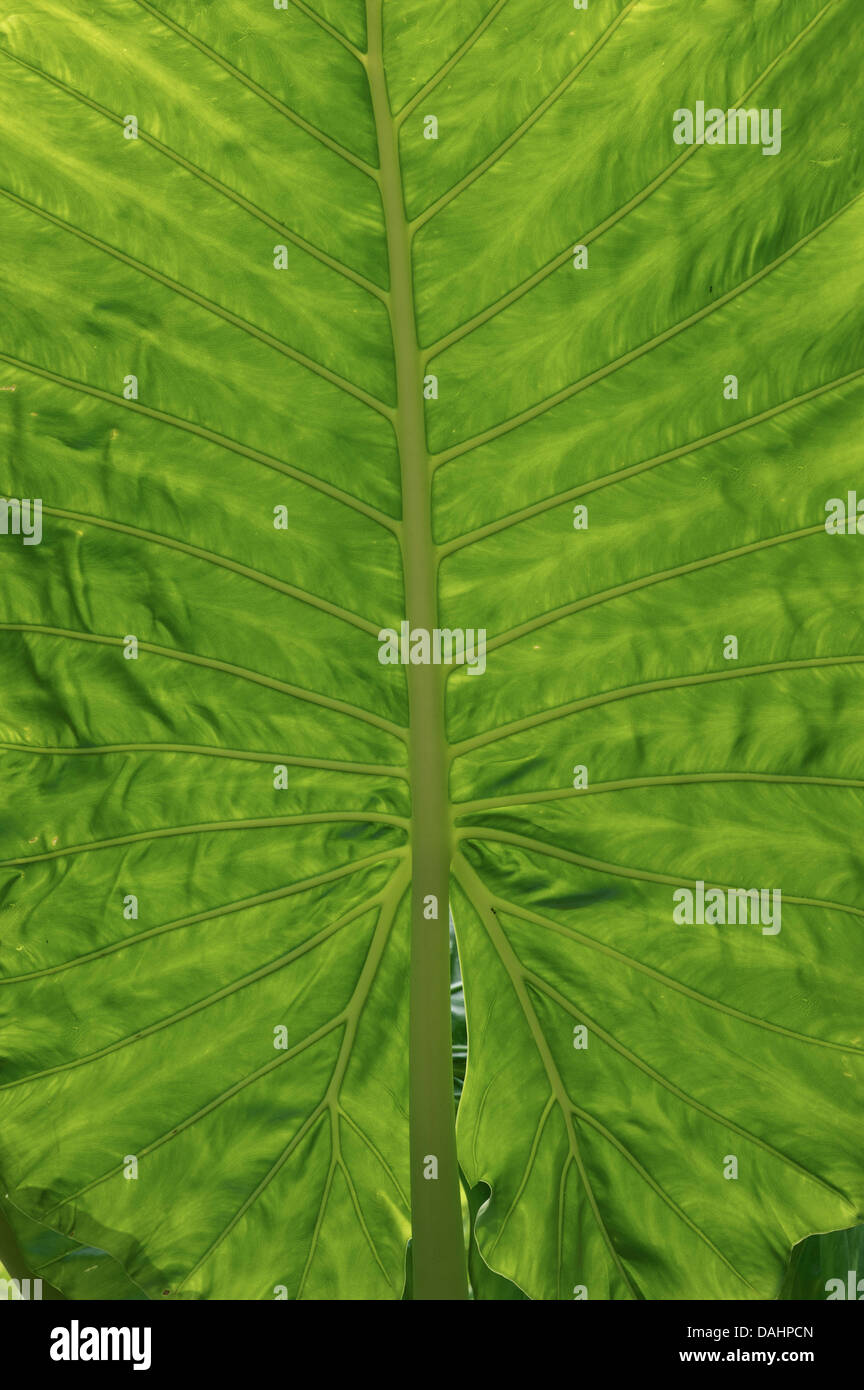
(486, 1284)
(818, 1265)
(33, 1251)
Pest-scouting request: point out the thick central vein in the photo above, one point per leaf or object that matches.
(438, 1253)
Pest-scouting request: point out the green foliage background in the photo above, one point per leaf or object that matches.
(263, 388)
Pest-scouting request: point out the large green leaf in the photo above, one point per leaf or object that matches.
(281, 263)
